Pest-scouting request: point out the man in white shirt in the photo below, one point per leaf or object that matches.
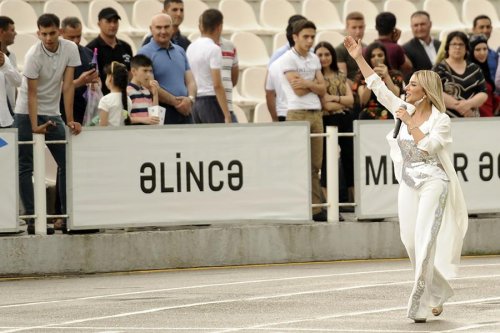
(303, 87)
(10, 78)
(275, 96)
(205, 59)
(48, 63)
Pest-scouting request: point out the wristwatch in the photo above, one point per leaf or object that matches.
(191, 98)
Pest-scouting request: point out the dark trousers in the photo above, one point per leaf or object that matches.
(23, 124)
(207, 110)
(174, 117)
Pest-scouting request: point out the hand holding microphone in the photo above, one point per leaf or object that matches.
(400, 113)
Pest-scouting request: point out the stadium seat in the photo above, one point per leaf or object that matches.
(323, 13)
(143, 11)
(444, 33)
(239, 16)
(406, 35)
(253, 83)
(366, 7)
(330, 36)
(279, 39)
(192, 12)
(194, 35)
(63, 9)
(128, 39)
(274, 14)
(95, 7)
(370, 35)
(261, 114)
(403, 10)
(21, 46)
(240, 100)
(240, 114)
(22, 13)
(471, 9)
(251, 49)
(494, 41)
(444, 14)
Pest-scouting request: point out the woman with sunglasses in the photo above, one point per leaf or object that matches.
(431, 207)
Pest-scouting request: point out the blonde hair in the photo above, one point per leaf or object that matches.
(433, 88)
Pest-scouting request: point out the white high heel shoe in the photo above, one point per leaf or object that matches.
(437, 310)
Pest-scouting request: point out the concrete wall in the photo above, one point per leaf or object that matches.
(218, 245)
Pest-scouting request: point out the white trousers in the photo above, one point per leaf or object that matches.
(420, 215)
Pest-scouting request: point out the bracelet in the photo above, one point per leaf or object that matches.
(412, 128)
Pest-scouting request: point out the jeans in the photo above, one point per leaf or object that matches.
(23, 124)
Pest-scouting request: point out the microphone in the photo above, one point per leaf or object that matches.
(398, 123)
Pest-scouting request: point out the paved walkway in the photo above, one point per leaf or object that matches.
(348, 296)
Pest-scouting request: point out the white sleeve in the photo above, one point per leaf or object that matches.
(11, 74)
(287, 63)
(438, 137)
(215, 58)
(74, 55)
(104, 104)
(31, 65)
(385, 96)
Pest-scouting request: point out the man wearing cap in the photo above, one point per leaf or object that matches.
(109, 48)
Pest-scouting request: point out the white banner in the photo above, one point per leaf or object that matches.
(9, 203)
(140, 176)
(476, 157)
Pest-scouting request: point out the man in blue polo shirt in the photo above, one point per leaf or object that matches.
(171, 70)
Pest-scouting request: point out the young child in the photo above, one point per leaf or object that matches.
(114, 108)
(142, 90)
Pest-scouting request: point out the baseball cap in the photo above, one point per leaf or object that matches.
(108, 13)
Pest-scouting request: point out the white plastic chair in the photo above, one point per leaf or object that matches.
(128, 39)
(143, 11)
(403, 10)
(274, 14)
(240, 114)
(323, 13)
(22, 13)
(471, 9)
(445, 15)
(366, 7)
(444, 33)
(22, 44)
(192, 11)
(64, 8)
(261, 114)
(239, 16)
(95, 7)
(251, 49)
(406, 35)
(494, 41)
(279, 39)
(330, 36)
(370, 35)
(253, 83)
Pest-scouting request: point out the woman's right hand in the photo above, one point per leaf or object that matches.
(353, 47)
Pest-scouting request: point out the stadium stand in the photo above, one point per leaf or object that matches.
(22, 13)
(436, 9)
(261, 114)
(403, 10)
(239, 16)
(22, 44)
(240, 114)
(192, 12)
(268, 14)
(95, 7)
(253, 83)
(323, 13)
(473, 8)
(251, 49)
(64, 8)
(279, 39)
(143, 11)
(367, 7)
(333, 37)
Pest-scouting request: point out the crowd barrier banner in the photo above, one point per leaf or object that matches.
(9, 203)
(476, 157)
(141, 175)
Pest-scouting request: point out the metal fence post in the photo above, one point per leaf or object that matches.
(332, 176)
(39, 186)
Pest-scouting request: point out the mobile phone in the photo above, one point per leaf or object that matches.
(93, 65)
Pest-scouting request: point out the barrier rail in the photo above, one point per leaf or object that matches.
(40, 214)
